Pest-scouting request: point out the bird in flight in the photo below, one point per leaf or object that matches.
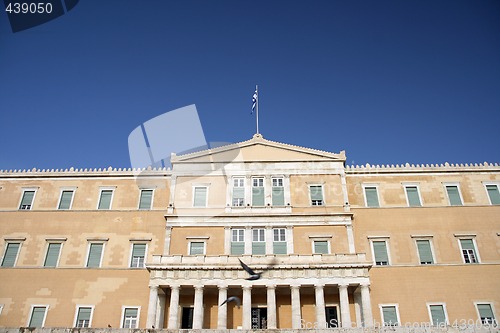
(232, 299)
(253, 275)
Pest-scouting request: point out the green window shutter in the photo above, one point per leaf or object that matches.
(105, 200)
(257, 196)
(130, 312)
(425, 252)
(258, 248)
(486, 313)
(371, 197)
(278, 196)
(238, 193)
(494, 194)
(37, 316)
(390, 316)
(66, 197)
(454, 195)
(380, 251)
(437, 314)
(321, 247)
(316, 193)
(237, 248)
(27, 200)
(413, 198)
(10, 256)
(146, 199)
(52, 255)
(196, 248)
(95, 254)
(83, 318)
(279, 247)
(467, 244)
(200, 197)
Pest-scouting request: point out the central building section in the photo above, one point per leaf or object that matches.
(281, 209)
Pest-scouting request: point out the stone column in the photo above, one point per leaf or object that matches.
(271, 306)
(350, 239)
(160, 313)
(344, 306)
(248, 240)
(296, 320)
(168, 235)
(227, 240)
(366, 305)
(289, 239)
(222, 314)
(173, 311)
(152, 306)
(269, 236)
(320, 305)
(247, 307)
(198, 308)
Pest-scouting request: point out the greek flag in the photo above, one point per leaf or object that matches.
(254, 100)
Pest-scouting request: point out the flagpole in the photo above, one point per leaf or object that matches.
(257, 107)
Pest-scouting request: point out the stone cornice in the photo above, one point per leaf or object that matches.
(422, 168)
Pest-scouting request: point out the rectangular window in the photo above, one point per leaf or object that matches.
(279, 241)
(278, 192)
(196, 248)
(486, 313)
(390, 315)
(468, 251)
(95, 255)
(52, 256)
(438, 315)
(130, 318)
(258, 241)
(454, 195)
(146, 199)
(425, 252)
(10, 255)
(27, 200)
(316, 193)
(320, 247)
(413, 196)
(138, 255)
(37, 317)
(200, 196)
(237, 241)
(105, 199)
(493, 194)
(380, 253)
(257, 191)
(371, 196)
(66, 199)
(239, 192)
(83, 317)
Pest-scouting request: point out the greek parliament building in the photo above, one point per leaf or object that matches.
(337, 245)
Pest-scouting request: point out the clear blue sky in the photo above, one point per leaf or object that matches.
(387, 81)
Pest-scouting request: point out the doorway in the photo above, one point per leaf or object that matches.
(259, 318)
(332, 320)
(187, 317)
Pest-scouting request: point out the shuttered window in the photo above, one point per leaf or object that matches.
(138, 255)
(65, 201)
(486, 313)
(105, 199)
(83, 317)
(494, 194)
(200, 197)
(237, 241)
(425, 252)
(258, 241)
(146, 199)
(390, 316)
(37, 316)
(371, 196)
(258, 192)
(278, 193)
(279, 241)
(380, 253)
(52, 256)
(10, 256)
(196, 248)
(238, 192)
(321, 247)
(437, 314)
(316, 193)
(468, 251)
(413, 197)
(453, 195)
(130, 318)
(95, 255)
(27, 200)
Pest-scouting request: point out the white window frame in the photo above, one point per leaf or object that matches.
(65, 189)
(9, 241)
(263, 187)
(28, 189)
(429, 304)
(431, 244)
(140, 195)
(238, 235)
(78, 306)
(279, 234)
(53, 241)
(387, 247)
(95, 241)
(370, 185)
(495, 319)
(33, 306)
(395, 305)
(321, 238)
(195, 186)
(122, 322)
(497, 184)
(109, 188)
(197, 240)
(476, 249)
(417, 185)
(457, 184)
(132, 243)
(323, 203)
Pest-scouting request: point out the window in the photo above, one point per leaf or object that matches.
(10, 255)
(257, 191)
(425, 252)
(493, 194)
(321, 247)
(238, 241)
(239, 192)
(105, 198)
(316, 193)
(380, 254)
(438, 314)
(130, 318)
(138, 255)
(278, 192)
(486, 313)
(95, 255)
(468, 251)
(52, 256)
(371, 196)
(258, 241)
(390, 315)
(279, 241)
(27, 199)
(413, 196)
(66, 199)
(37, 317)
(196, 248)
(83, 317)
(200, 196)
(454, 195)
(146, 199)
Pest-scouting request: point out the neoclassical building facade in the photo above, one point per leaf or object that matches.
(337, 245)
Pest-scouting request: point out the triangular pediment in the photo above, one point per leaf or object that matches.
(258, 149)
